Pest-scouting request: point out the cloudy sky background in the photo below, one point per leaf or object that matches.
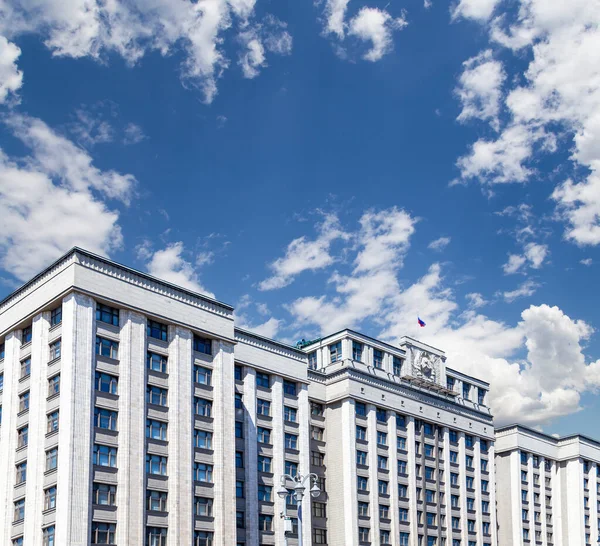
(343, 163)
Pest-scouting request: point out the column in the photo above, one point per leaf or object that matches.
(447, 487)
(393, 466)
(76, 418)
(250, 458)
(278, 453)
(574, 502)
(462, 481)
(131, 455)
(373, 480)
(36, 459)
(530, 497)
(350, 495)
(543, 501)
(558, 523)
(412, 481)
(477, 480)
(180, 450)
(492, 485)
(304, 466)
(593, 477)
(516, 504)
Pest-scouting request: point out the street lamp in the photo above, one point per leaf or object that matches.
(297, 491)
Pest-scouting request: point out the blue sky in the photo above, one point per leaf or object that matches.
(323, 165)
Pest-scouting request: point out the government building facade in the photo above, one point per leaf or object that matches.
(135, 412)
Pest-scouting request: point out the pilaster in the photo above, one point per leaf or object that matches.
(373, 470)
(412, 481)
(492, 485)
(250, 457)
(393, 466)
(462, 480)
(593, 484)
(478, 498)
(278, 453)
(304, 466)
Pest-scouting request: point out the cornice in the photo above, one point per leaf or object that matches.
(270, 345)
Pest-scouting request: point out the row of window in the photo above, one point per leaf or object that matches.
(23, 432)
(48, 537)
(335, 355)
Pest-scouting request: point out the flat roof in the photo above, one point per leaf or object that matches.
(269, 340)
(554, 439)
(350, 331)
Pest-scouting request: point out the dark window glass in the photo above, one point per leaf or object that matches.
(157, 330)
(107, 314)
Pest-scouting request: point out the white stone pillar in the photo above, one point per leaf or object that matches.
(543, 501)
(558, 524)
(251, 457)
(530, 497)
(574, 502)
(350, 499)
(36, 459)
(304, 466)
(478, 499)
(516, 501)
(492, 485)
(373, 480)
(180, 449)
(412, 481)
(131, 455)
(75, 420)
(462, 481)
(445, 463)
(278, 453)
(593, 477)
(393, 466)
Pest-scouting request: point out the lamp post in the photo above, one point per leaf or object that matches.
(297, 491)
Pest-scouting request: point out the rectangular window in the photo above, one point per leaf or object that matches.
(382, 487)
(19, 512)
(363, 534)
(240, 520)
(239, 459)
(237, 373)
(377, 358)
(381, 438)
(469, 482)
(431, 519)
(428, 429)
(239, 429)
(27, 333)
(52, 422)
(263, 435)
(156, 362)
(104, 494)
(404, 539)
(290, 388)
(156, 536)
(25, 367)
(21, 473)
(453, 478)
(103, 533)
(290, 414)
(155, 464)
(466, 390)
(156, 395)
(450, 383)
(157, 330)
(2, 351)
(319, 509)
(239, 400)
(203, 538)
(360, 409)
(429, 495)
(316, 409)
(202, 407)
(291, 441)
(51, 459)
(401, 467)
(362, 483)
(202, 439)
(384, 512)
(382, 462)
(317, 458)
(454, 436)
(157, 430)
(400, 443)
(402, 491)
(361, 457)
(104, 418)
(106, 383)
(263, 380)
(24, 401)
(312, 360)
(468, 440)
(317, 433)
(202, 375)
(361, 433)
(203, 345)
(264, 463)
(54, 385)
(203, 506)
(381, 415)
(239, 489)
(203, 472)
(263, 407)
(469, 461)
(428, 450)
(470, 503)
(335, 352)
(397, 365)
(107, 347)
(105, 456)
(105, 313)
(319, 536)
(265, 493)
(480, 396)
(454, 501)
(357, 351)
(265, 523)
(403, 514)
(291, 468)
(55, 347)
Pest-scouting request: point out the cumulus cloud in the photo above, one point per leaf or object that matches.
(54, 198)
(335, 15)
(305, 255)
(133, 134)
(376, 26)
(479, 10)
(475, 300)
(534, 255)
(268, 328)
(586, 261)
(11, 78)
(131, 29)
(525, 290)
(439, 244)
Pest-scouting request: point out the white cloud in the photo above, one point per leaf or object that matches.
(52, 200)
(439, 244)
(480, 10)
(427, 4)
(525, 290)
(586, 261)
(376, 26)
(304, 255)
(475, 300)
(253, 58)
(480, 88)
(514, 264)
(133, 134)
(335, 13)
(11, 78)
(534, 255)
(90, 129)
(269, 328)
(170, 265)
(98, 28)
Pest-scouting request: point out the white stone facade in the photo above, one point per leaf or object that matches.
(547, 488)
(133, 412)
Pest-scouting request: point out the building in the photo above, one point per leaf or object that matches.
(133, 412)
(547, 488)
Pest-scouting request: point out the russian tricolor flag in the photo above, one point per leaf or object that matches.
(421, 323)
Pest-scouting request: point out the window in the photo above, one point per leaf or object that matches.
(397, 365)
(22, 437)
(50, 498)
(202, 407)
(360, 409)
(484, 485)
(157, 430)
(290, 414)
(239, 489)
(156, 362)
(105, 456)
(156, 536)
(357, 351)
(24, 401)
(361, 457)
(319, 509)
(480, 396)
(363, 509)
(316, 458)
(1, 351)
(431, 519)
(203, 538)
(362, 483)
(381, 438)
(450, 383)
(429, 473)
(485, 507)
(429, 495)
(403, 514)
(239, 400)
(103, 533)
(361, 433)
(453, 456)
(54, 385)
(470, 503)
(265, 522)
(384, 537)
(291, 441)
(55, 349)
(453, 478)
(469, 482)
(1, 382)
(382, 487)
(404, 539)
(486, 527)
(107, 314)
(104, 418)
(381, 415)
(402, 490)
(523, 476)
(263, 380)
(484, 465)
(156, 395)
(203, 506)
(428, 450)
(469, 461)
(454, 436)
(21, 473)
(27, 332)
(401, 467)
(454, 501)
(483, 444)
(51, 458)
(237, 373)
(107, 347)
(291, 468)
(471, 525)
(290, 388)
(25, 367)
(155, 464)
(104, 494)
(382, 462)
(312, 360)
(263, 407)
(317, 433)
(203, 472)
(19, 513)
(466, 390)
(335, 352)
(265, 493)
(264, 463)
(377, 358)
(106, 383)
(401, 443)
(363, 534)
(240, 520)
(319, 536)
(263, 435)
(239, 429)
(202, 345)
(468, 440)
(156, 501)
(202, 439)
(156, 330)
(202, 375)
